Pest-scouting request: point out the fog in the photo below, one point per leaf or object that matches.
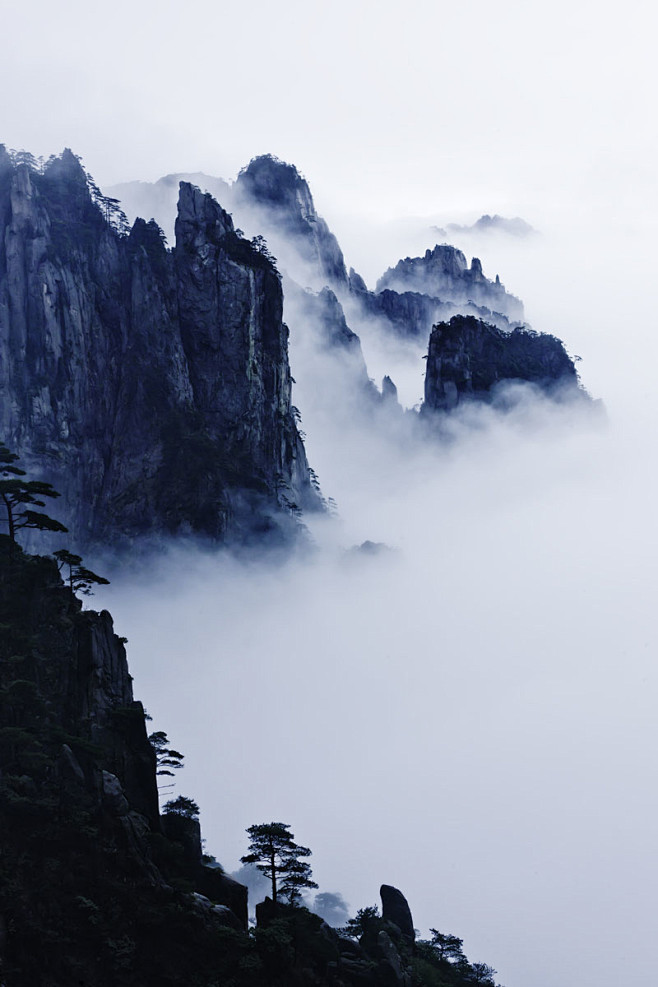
(469, 715)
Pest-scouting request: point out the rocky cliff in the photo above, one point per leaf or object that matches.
(468, 358)
(411, 314)
(153, 387)
(271, 199)
(94, 886)
(276, 199)
(443, 273)
(160, 199)
(337, 362)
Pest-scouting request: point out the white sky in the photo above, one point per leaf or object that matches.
(386, 107)
(544, 856)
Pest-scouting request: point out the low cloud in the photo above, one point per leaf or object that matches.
(470, 716)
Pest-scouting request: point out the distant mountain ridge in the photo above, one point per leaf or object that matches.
(511, 226)
(443, 273)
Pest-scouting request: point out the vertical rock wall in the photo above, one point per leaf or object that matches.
(152, 389)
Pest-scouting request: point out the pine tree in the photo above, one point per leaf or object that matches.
(273, 850)
(20, 496)
(295, 878)
(79, 577)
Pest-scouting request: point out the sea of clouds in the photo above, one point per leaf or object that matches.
(469, 712)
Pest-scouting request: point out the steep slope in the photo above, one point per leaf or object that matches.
(159, 200)
(330, 353)
(153, 387)
(273, 197)
(94, 885)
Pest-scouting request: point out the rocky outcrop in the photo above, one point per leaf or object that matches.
(209, 881)
(322, 314)
(94, 728)
(91, 887)
(389, 391)
(152, 388)
(160, 199)
(230, 310)
(218, 887)
(468, 358)
(395, 908)
(279, 203)
(411, 314)
(95, 886)
(443, 273)
(333, 360)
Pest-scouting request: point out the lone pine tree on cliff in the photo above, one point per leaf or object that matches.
(78, 577)
(20, 496)
(273, 850)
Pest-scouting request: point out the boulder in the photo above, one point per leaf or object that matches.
(395, 909)
(214, 884)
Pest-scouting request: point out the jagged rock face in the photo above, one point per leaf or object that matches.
(285, 213)
(325, 313)
(444, 274)
(411, 315)
(81, 670)
(389, 390)
(230, 307)
(159, 199)
(84, 864)
(152, 389)
(318, 323)
(467, 358)
(211, 882)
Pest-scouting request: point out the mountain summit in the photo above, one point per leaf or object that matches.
(282, 206)
(152, 387)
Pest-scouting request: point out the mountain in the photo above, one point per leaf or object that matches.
(274, 199)
(159, 200)
(273, 202)
(486, 224)
(152, 387)
(97, 885)
(443, 273)
(468, 358)
(411, 314)
(270, 198)
(280, 204)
